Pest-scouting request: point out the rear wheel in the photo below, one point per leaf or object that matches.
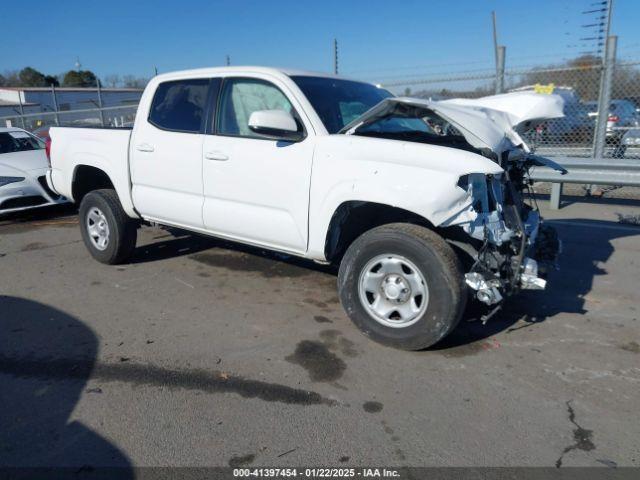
(402, 285)
(108, 233)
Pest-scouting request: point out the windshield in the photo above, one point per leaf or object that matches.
(338, 102)
(414, 124)
(18, 141)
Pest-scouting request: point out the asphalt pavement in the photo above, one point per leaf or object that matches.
(204, 353)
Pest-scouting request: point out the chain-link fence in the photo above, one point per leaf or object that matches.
(584, 83)
(37, 109)
(117, 116)
(580, 84)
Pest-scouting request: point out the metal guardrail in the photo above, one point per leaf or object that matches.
(597, 171)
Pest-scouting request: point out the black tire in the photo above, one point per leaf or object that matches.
(122, 228)
(436, 262)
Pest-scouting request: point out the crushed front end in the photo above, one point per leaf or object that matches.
(509, 245)
(490, 218)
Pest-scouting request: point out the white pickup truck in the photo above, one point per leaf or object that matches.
(419, 202)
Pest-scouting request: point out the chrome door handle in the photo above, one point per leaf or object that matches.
(144, 147)
(221, 157)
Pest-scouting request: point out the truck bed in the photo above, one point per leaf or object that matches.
(105, 148)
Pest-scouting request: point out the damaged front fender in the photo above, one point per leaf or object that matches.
(480, 210)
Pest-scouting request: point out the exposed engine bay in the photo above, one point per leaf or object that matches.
(512, 247)
(494, 218)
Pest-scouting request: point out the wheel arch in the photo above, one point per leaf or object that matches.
(352, 218)
(87, 178)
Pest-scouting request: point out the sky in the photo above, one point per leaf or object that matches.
(378, 40)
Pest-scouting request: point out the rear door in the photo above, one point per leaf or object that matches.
(256, 189)
(166, 154)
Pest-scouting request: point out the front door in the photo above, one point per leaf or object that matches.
(255, 189)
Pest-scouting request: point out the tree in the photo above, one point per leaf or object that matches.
(79, 78)
(30, 77)
(582, 74)
(130, 81)
(112, 80)
(11, 79)
(27, 77)
(51, 80)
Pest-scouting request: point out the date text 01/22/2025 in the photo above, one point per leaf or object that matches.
(316, 473)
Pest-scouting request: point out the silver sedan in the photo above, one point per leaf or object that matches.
(23, 168)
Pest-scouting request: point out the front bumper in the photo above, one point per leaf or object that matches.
(526, 269)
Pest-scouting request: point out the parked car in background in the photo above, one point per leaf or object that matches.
(622, 117)
(636, 103)
(576, 126)
(42, 133)
(23, 168)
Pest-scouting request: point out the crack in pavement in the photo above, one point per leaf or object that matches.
(582, 437)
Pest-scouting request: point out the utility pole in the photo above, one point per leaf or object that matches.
(335, 56)
(495, 35)
(604, 95)
(20, 93)
(227, 60)
(500, 53)
(55, 103)
(607, 31)
(606, 77)
(99, 91)
(500, 59)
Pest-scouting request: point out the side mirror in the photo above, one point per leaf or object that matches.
(275, 124)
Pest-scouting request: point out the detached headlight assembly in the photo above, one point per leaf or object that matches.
(7, 180)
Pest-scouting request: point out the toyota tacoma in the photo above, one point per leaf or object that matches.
(422, 204)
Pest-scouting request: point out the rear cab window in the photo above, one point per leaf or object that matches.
(180, 105)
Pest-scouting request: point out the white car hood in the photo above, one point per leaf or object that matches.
(24, 161)
(522, 110)
(492, 122)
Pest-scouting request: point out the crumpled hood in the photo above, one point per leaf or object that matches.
(522, 110)
(492, 122)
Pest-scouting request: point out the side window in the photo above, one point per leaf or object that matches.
(179, 105)
(241, 97)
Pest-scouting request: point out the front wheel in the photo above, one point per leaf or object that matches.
(108, 233)
(402, 285)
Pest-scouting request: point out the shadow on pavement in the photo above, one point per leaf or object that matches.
(35, 426)
(39, 214)
(171, 243)
(586, 245)
(175, 243)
